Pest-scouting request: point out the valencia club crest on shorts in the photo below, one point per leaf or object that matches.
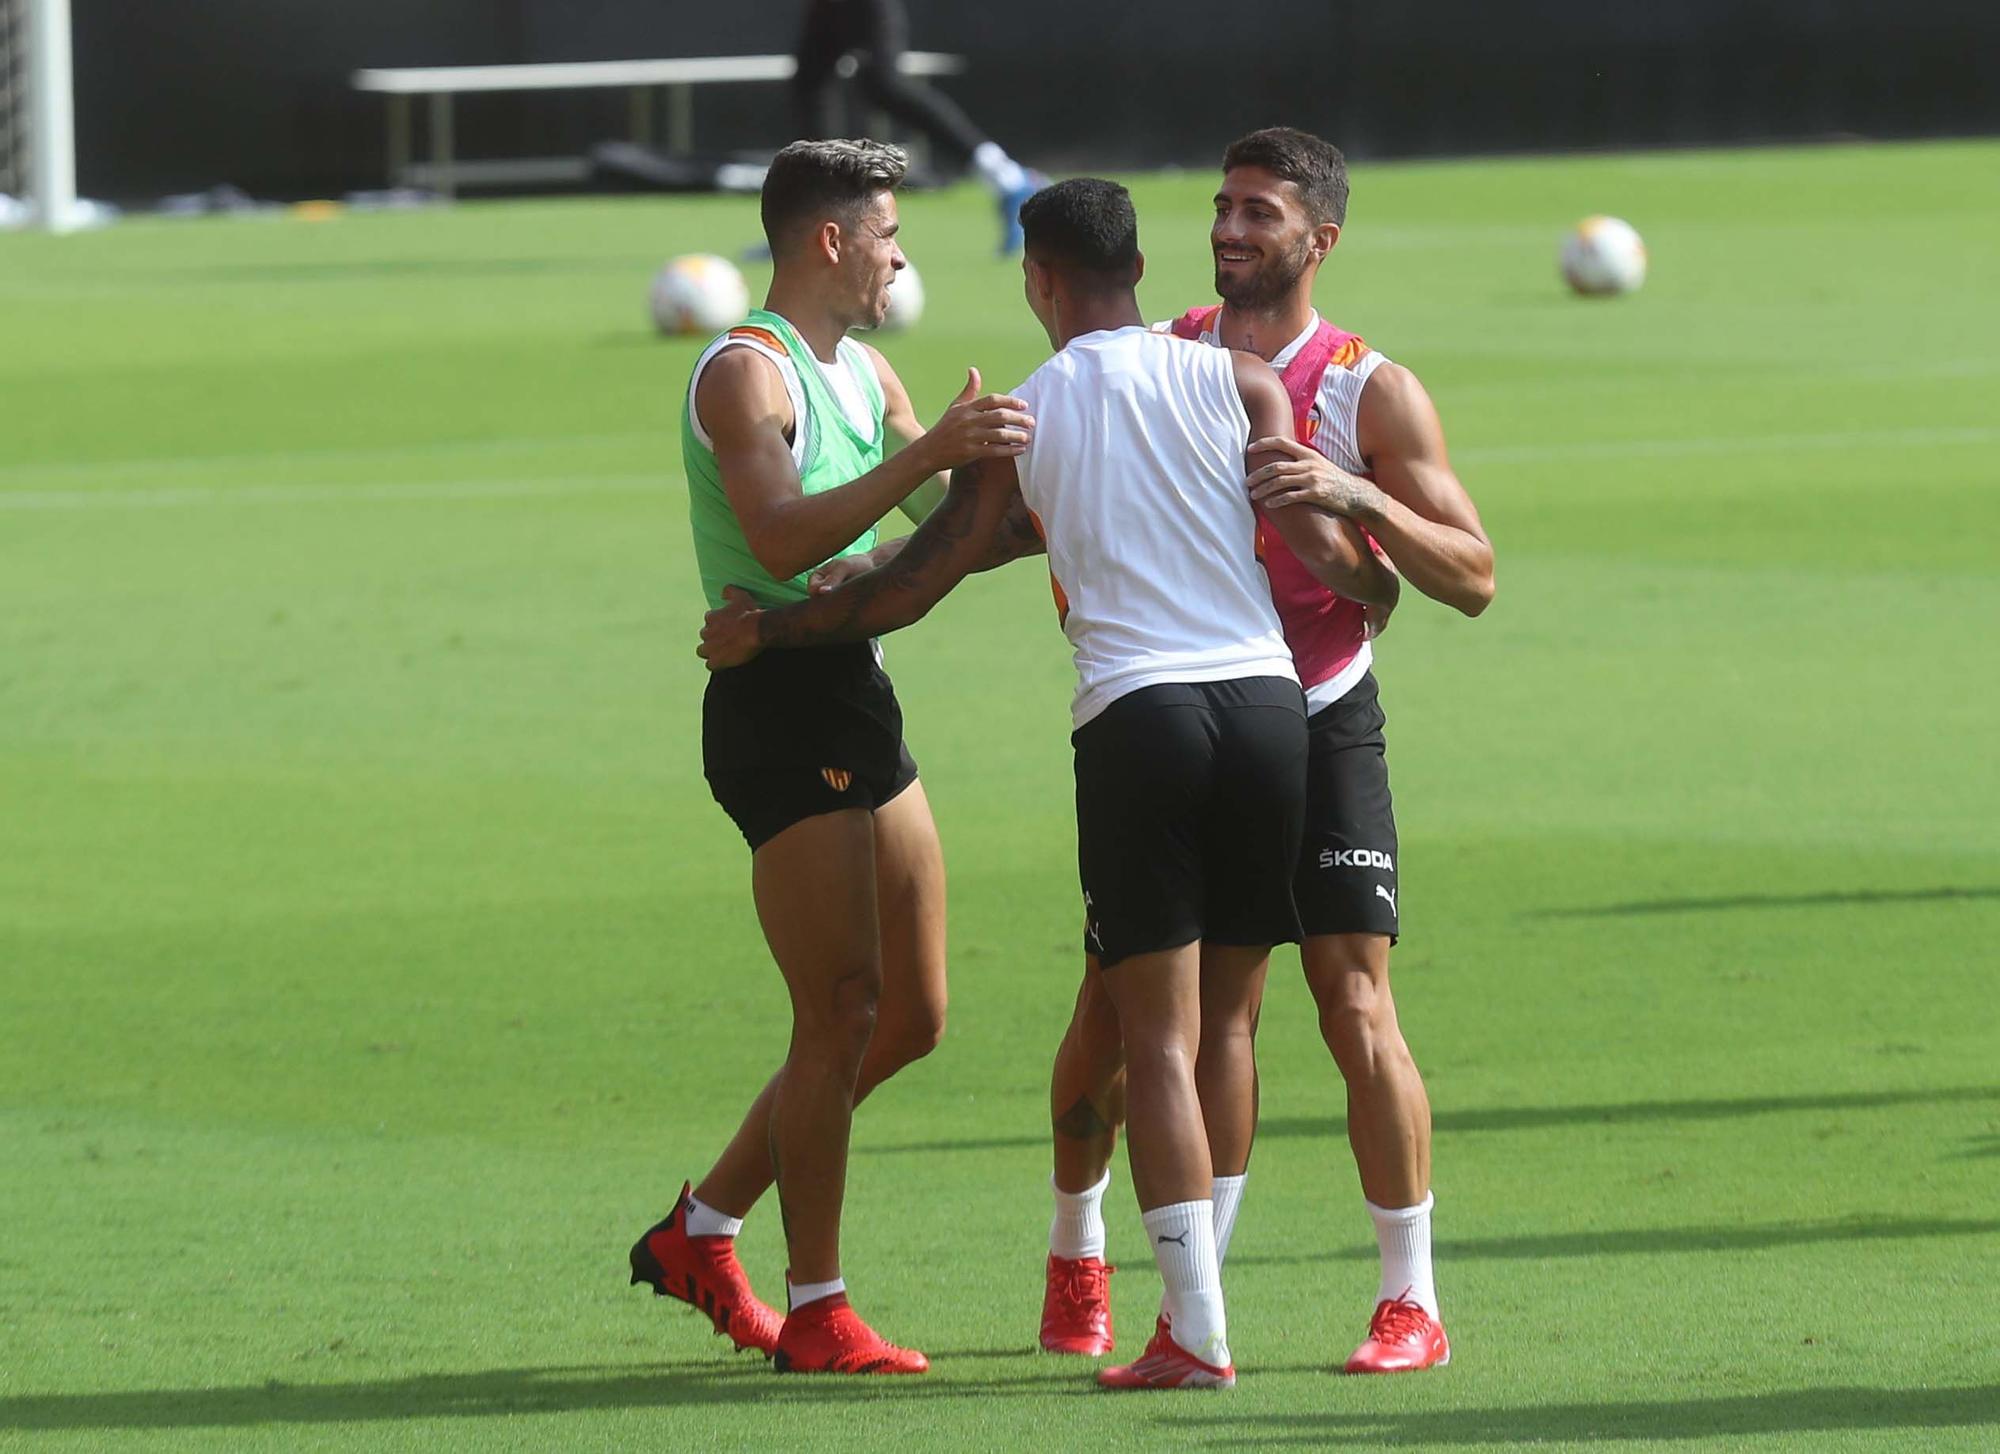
(837, 778)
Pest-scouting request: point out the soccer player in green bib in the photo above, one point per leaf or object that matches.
(785, 440)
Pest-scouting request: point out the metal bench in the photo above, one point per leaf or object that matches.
(643, 79)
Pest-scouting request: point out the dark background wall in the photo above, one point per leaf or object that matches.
(180, 94)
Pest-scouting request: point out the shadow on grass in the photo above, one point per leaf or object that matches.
(1647, 1241)
(502, 1392)
(1531, 1118)
(1831, 898)
(1619, 1113)
(1795, 1411)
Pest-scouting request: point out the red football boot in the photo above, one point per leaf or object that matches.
(1165, 1364)
(1402, 1338)
(703, 1273)
(826, 1335)
(1076, 1309)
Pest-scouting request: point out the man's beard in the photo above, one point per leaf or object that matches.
(1270, 284)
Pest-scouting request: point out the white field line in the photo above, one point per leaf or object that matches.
(173, 496)
(1726, 444)
(664, 482)
(181, 463)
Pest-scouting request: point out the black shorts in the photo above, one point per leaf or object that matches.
(1189, 803)
(1347, 869)
(793, 734)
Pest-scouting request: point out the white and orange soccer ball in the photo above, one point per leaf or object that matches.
(1604, 256)
(906, 300)
(699, 293)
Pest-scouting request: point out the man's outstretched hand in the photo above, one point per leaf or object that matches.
(979, 426)
(729, 632)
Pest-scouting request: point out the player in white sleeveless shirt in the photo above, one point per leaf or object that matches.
(1190, 724)
(1367, 445)
(1145, 596)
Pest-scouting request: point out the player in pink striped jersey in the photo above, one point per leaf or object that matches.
(1369, 448)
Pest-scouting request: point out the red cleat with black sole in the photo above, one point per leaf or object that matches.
(703, 1273)
(826, 1335)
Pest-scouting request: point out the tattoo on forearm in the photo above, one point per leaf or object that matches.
(1081, 1122)
(881, 600)
(1353, 496)
(1016, 537)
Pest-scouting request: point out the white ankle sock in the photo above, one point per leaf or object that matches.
(798, 1294)
(1182, 1237)
(1002, 173)
(705, 1221)
(1404, 1234)
(1228, 1195)
(1078, 1228)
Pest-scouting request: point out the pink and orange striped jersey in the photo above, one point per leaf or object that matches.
(1324, 370)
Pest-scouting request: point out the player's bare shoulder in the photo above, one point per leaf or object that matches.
(738, 386)
(739, 370)
(1257, 382)
(1249, 366)
(1396, 414)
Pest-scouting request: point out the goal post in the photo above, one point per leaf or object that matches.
(37, 119)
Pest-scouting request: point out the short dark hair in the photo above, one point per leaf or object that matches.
(1085, 225)
(1314, 166)
(810, 181)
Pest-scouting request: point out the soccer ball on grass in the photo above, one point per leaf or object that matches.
(1603, 256)
(699, 293)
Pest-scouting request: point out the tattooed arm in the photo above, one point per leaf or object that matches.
(973, 528)
(1017, 536)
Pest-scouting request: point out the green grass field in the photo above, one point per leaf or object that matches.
(374, 966)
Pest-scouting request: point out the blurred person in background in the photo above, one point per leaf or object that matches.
(876, 33)
(1367, 446)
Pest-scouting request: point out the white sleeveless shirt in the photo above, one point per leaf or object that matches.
(1136, 479)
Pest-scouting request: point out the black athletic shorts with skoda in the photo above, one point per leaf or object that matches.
(1346, 881)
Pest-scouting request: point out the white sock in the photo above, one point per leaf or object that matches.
(1228, 1195)
(1183, 1240)
(705, 1221)
(801, 1293)
(1404, 1234)
(1078, 1228)
(1002, 173)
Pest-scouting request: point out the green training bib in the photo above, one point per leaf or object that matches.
(834, 453)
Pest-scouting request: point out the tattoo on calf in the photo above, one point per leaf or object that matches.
(1081, 1122)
